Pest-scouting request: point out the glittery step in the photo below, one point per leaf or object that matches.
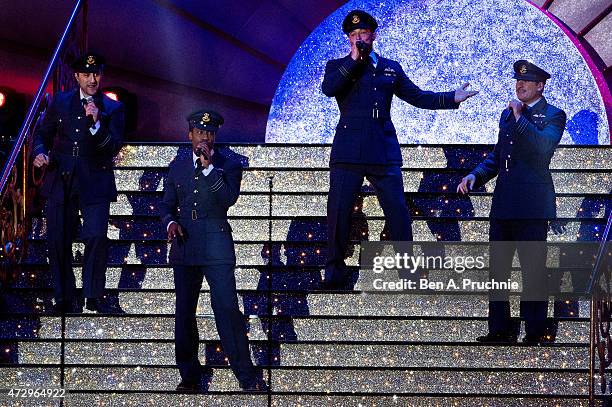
(309, 156)
(315, 229)
(320, 380)
(347, 304)
(308, 180)
(298, 328)
(323, 355)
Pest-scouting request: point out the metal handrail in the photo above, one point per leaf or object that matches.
(34, 106)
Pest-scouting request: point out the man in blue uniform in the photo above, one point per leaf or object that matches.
(523, 202)
(198, 191)
(81, 133)
(365, 143)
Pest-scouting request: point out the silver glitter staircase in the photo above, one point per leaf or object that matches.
(318, 347)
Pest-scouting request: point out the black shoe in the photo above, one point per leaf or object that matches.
(497, 338)
(92, 304)
(257, 385)
(187, 387)
(336, 286)
(67, 307)
(102, 307)
(538, 339)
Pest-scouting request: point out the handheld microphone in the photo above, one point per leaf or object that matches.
(199, 152)
(90, 99)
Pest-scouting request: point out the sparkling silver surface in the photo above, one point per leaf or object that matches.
(257, 230)
(433, 356)
(325, 355)
(162, 278)
(450, 43)
(415, 401)
(140, 378)
(333, 304)
(425, 330)
(315, 205)
(413, 381)
(167, 400)
(29, 376)
(38, 352)
(318, 181)
(342, 328)
(415, 157)
(145, 328)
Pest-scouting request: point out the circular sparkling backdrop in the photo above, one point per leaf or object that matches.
(440, 45)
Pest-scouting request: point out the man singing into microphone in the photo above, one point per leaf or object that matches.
(199, 189)
(81, 133)
(365, 143)
(523, 203)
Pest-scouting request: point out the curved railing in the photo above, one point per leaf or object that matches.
(16, 188)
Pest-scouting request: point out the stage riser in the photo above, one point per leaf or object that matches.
(469, 305)
(315, 205)
(155, 254)
(319, 380)
(129, 400)
(308, 156)
(323, 355)
(309, 181)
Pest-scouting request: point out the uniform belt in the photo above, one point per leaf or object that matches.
(373, 113)
(73, 150)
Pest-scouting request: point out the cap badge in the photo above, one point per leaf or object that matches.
(356, 19)
(206, 117)
(523, 69)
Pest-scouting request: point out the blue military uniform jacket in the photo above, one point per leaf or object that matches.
(199, 204)
(365, 133)
(65, 137)
(521, 160)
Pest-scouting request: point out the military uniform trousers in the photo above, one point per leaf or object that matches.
(62, 225)
(345, 184)
(528, 238)
(228, 319)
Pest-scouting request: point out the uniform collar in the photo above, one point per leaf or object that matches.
(538, 106)
(536, 102)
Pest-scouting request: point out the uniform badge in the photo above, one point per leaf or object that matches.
(539, 115)
(356, 19)
(91, 60)
(523, 69)
(206, 118)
